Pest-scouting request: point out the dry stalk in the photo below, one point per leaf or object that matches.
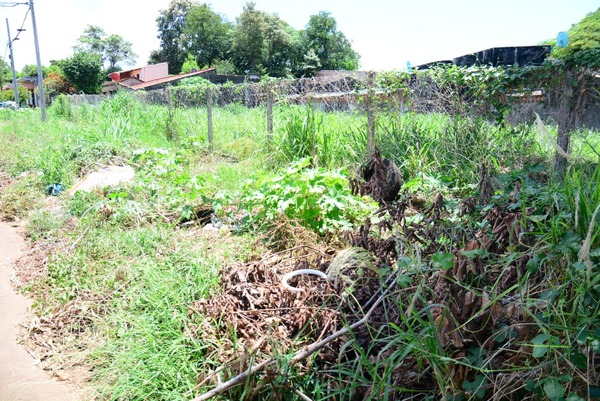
(584, 252)
(544, 131)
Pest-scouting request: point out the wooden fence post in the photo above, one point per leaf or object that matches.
(209, 106)
(565, 117)
(269, 115)
(370, 106)
(370, 126)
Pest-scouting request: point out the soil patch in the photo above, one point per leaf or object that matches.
(20, 378)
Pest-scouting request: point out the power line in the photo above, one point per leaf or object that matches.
(37, 48)
(22, 25)
(11, 4)
(18, 30)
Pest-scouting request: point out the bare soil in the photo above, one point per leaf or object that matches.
(20, 378)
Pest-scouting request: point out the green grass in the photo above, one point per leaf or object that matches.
(149, 330)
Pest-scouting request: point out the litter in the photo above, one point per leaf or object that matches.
(106, 177)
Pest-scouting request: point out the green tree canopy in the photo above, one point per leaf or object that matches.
(9, 94)
(116, 50)
(259, 42)
(6, 75)
(56, 83)
(283, 46)
(190, 64)
(264, 43)
(249, 44)
(84, 70)
(30, 70)
(92, 40)
(170, 24)
(330, 45)
(112, 49)
(310, 63)
(208, 35)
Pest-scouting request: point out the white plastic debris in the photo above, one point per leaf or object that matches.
(106, 177)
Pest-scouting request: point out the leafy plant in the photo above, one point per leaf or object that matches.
(316, 198)
(84, 70)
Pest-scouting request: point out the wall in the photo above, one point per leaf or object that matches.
(154, 71)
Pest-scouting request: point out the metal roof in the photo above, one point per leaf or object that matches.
(169, 79)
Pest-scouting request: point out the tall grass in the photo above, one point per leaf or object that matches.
(455, 147)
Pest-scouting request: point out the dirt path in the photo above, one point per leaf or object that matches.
(20, 380)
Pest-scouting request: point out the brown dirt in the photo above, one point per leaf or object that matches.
(20, 378)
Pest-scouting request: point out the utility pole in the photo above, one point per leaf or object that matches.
(42, 98)
(12, 65)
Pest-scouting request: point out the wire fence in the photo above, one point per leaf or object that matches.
(361, 93)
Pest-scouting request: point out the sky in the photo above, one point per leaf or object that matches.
(386, 33)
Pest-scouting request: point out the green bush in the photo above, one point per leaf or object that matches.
(318, 199)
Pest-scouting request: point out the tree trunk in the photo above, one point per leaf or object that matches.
(565, 120)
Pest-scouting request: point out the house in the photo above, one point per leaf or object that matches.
(29, 83)
(128, 78)
(146, 73)
(156, 76)
(160, 83)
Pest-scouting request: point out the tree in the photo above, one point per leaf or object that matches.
(330, 45)
(56, 83)
(574, 81)
(189, 64)
(249, 45)
(112, 49)
(311, 63)
(6, 73)
(117, 49)
(9, 94)
(264, 43)
(30, 70)
(225, 66)
(84, 70)
(584, 41)
(279, 37)
(208, 35)
(92, 40)
(170, 24)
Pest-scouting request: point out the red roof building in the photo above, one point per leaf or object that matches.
(153, 76)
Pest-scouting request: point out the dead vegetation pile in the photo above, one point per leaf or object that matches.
(469, 300)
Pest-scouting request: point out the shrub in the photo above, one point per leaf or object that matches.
(318, 199)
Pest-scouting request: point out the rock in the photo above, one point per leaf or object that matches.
(106, 177)
(350, 267)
